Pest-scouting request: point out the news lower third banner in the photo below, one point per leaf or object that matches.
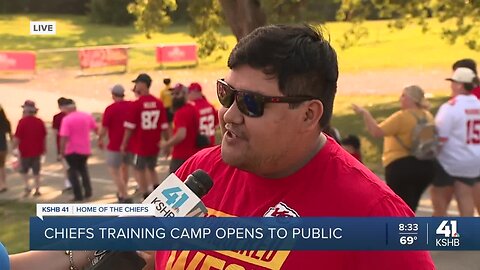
(154, 233)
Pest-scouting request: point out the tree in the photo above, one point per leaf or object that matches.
(243, 16)
(458, 18)
(151, 14)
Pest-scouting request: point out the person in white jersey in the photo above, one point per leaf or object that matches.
(458, 125)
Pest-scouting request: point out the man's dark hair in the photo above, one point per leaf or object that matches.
(470, 64)
(61, 101)
(299, 57)
(166, 81)
(466, 63)
(352, 140)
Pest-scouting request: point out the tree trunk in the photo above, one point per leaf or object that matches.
(243, 16)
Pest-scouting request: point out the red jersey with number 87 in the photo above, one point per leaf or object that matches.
(147, 118)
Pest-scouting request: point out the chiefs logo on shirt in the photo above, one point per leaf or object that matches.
(281, 210)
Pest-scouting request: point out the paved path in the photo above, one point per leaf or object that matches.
(91, 94)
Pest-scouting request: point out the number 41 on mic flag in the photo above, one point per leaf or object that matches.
(173, 198)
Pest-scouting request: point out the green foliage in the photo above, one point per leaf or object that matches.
(283, 11)
(382, 49)
(44, 6)
(206, 20)
(151, 15)
(465, 16)
(14, 225)
(110, 12)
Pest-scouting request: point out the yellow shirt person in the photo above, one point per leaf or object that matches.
(166, 94)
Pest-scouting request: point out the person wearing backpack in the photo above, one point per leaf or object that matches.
(409, 146)
(458, 124)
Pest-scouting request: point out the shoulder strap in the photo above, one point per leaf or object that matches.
(401, 143)
(418, 118)
(398, 138)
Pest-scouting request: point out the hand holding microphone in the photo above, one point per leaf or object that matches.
(172, 198)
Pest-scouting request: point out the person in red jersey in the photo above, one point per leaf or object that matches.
(56, 123)
(274, 159)
(113, 124)
(208, 121)
(185, 128)
(351, 144)
(146, 122)
(30, 137)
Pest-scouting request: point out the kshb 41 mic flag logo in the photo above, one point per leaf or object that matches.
(173, 198)
(43, 28)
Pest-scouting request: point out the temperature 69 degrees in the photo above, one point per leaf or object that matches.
(408, 233)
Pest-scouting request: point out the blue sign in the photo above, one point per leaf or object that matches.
(150, 233)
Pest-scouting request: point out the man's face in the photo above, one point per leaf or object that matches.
(258, 145)
(140, 88)
(178, 98)
(456, 88)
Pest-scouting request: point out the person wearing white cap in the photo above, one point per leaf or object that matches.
(405, 174)
(112, 124)
(458, 125)
(471, 64)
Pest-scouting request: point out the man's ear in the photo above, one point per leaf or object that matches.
(312, 114)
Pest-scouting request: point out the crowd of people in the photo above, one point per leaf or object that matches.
(453, 169)
(273, 161)
(130, 132)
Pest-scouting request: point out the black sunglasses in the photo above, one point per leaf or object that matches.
(250, 103)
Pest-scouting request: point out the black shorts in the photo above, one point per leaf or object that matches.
(144, 162)
(30, 163)
(3, 156)
(443, 179)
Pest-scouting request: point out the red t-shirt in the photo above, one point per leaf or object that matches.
(113, 120)
(208, 118)
(333, 183)
(56, 123)
(31, 133)
(147, 118)
(186, 117)
(476, 92)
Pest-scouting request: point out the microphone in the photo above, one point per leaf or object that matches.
(172, 198)
(199, 182)
(175, 198)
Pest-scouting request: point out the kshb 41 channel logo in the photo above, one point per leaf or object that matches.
(447, 234)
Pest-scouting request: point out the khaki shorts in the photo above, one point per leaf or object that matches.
(116, 159)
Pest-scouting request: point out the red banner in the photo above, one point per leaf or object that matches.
(177, 53)
(102, 57)
(17, 61)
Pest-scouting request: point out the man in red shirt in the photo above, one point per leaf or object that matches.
(146, 122)
(112, 124)
(274, 159)
(208, 121)
(30, 137)
(185, 128)
(56, 123)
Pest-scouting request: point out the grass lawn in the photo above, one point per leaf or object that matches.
(383, 48)
(14, 225)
